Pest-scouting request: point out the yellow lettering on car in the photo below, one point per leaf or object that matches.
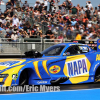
(98, 57)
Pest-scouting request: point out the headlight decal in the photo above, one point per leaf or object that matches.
(3, 75)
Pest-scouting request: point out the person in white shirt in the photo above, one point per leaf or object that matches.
(45, 4)
(89, 4)
(90, 35)
(15, 20)
(3, 19)
(41, 1)
(37, 4)
(14, 36)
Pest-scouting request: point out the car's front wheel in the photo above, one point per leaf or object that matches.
(23, 80)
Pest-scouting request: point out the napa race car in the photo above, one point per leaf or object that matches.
(65, 63)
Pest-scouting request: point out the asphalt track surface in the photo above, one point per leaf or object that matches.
(67, 87)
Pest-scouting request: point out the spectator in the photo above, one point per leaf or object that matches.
(70, 6)
(61, 26)
(78, 36)
(7, 34)
(41, 7)
(9, 4)
(3, 19)
(45, 4)
(61, 37)
(15, 21)
(36, 6)
(68, 34)
(17, 2)
(10, 30)
(20, 27)
(13, 1)
(41, 1)
(88, 13)
(18, 12)
(49, 34)
(14, 36)
(73, 22)
(51, 4)
(88, 3)
(74, 10)
(26, 4)
(79, 20)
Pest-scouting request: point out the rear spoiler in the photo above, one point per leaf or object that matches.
(98, 45)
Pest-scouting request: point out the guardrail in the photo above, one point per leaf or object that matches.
(12, 48)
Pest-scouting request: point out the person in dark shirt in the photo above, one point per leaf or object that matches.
(41, 7)
(51, 4)
(9, 4)
(26, 4)
(88, 12)
(49, 33)
(74, 10)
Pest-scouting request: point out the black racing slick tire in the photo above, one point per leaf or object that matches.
(23, 80)
(97, 79)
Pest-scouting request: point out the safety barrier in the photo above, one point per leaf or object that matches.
(8, 47)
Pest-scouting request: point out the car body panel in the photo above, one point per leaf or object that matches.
(79, 68)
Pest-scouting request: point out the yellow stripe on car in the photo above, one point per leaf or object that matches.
(45, 67)
(36, 69)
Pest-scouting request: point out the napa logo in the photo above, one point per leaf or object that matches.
(54, 69)
(77, 67)
(8, 63)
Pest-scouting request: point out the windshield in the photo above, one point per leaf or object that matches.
(53, 51)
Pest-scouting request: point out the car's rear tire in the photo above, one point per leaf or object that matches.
(97, 76)
(23, 80)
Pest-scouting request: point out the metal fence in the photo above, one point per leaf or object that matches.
(18, 48)
(8, 47)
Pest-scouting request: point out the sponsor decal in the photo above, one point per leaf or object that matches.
(42, 82)
(54, 69)
(99, 46)
(95, 42)
(14, 76)
(98, 57)
(8, 63)
(99, 41)
(91, 42)
(77, 67)
(95, 45)
(83, 48)
(75, 41)
(86, 42)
